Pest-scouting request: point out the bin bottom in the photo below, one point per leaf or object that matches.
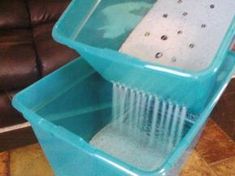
(130, 146)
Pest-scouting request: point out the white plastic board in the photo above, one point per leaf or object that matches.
(181, 33)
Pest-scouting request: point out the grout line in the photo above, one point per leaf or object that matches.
(220, 161)
(221, 130)
(14, 127)
(207, 164)
(8, 164)
(230, 140)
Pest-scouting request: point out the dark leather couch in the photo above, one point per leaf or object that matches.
(27, 53)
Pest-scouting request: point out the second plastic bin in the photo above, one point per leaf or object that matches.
(67, 108)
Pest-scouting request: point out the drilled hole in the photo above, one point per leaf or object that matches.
(158, 55)
(191, 45)
(212, 6)
(185, 14)
(179, 1)
(203, 26)
(165, 15)
(179, 32)
(147, 34)
(164, 37)
(173, 59)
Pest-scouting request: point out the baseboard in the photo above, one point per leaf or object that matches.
(16, 136)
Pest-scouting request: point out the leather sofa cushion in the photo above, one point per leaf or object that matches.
(15, 36)
(8, 116)
(13, 13)
(17, 59)
(42, 11)
(51, 55)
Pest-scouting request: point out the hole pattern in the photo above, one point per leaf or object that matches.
(179, 30)
(164, 37)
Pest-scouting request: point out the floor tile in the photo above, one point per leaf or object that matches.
(224, 114)
(225, 167)
(4, 164)
(214, 145)
(29, 161)
(230, 88)
(196, 166)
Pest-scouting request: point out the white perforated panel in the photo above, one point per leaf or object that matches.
(181, 33)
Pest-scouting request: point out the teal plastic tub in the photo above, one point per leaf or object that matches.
(98, 28)
(68, 107)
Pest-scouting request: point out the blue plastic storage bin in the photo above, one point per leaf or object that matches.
(68, 107)
(83, 27)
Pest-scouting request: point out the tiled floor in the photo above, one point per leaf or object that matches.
(214, 155)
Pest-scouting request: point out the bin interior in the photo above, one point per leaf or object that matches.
(86, 108)
(77, 99)
(83, 109)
